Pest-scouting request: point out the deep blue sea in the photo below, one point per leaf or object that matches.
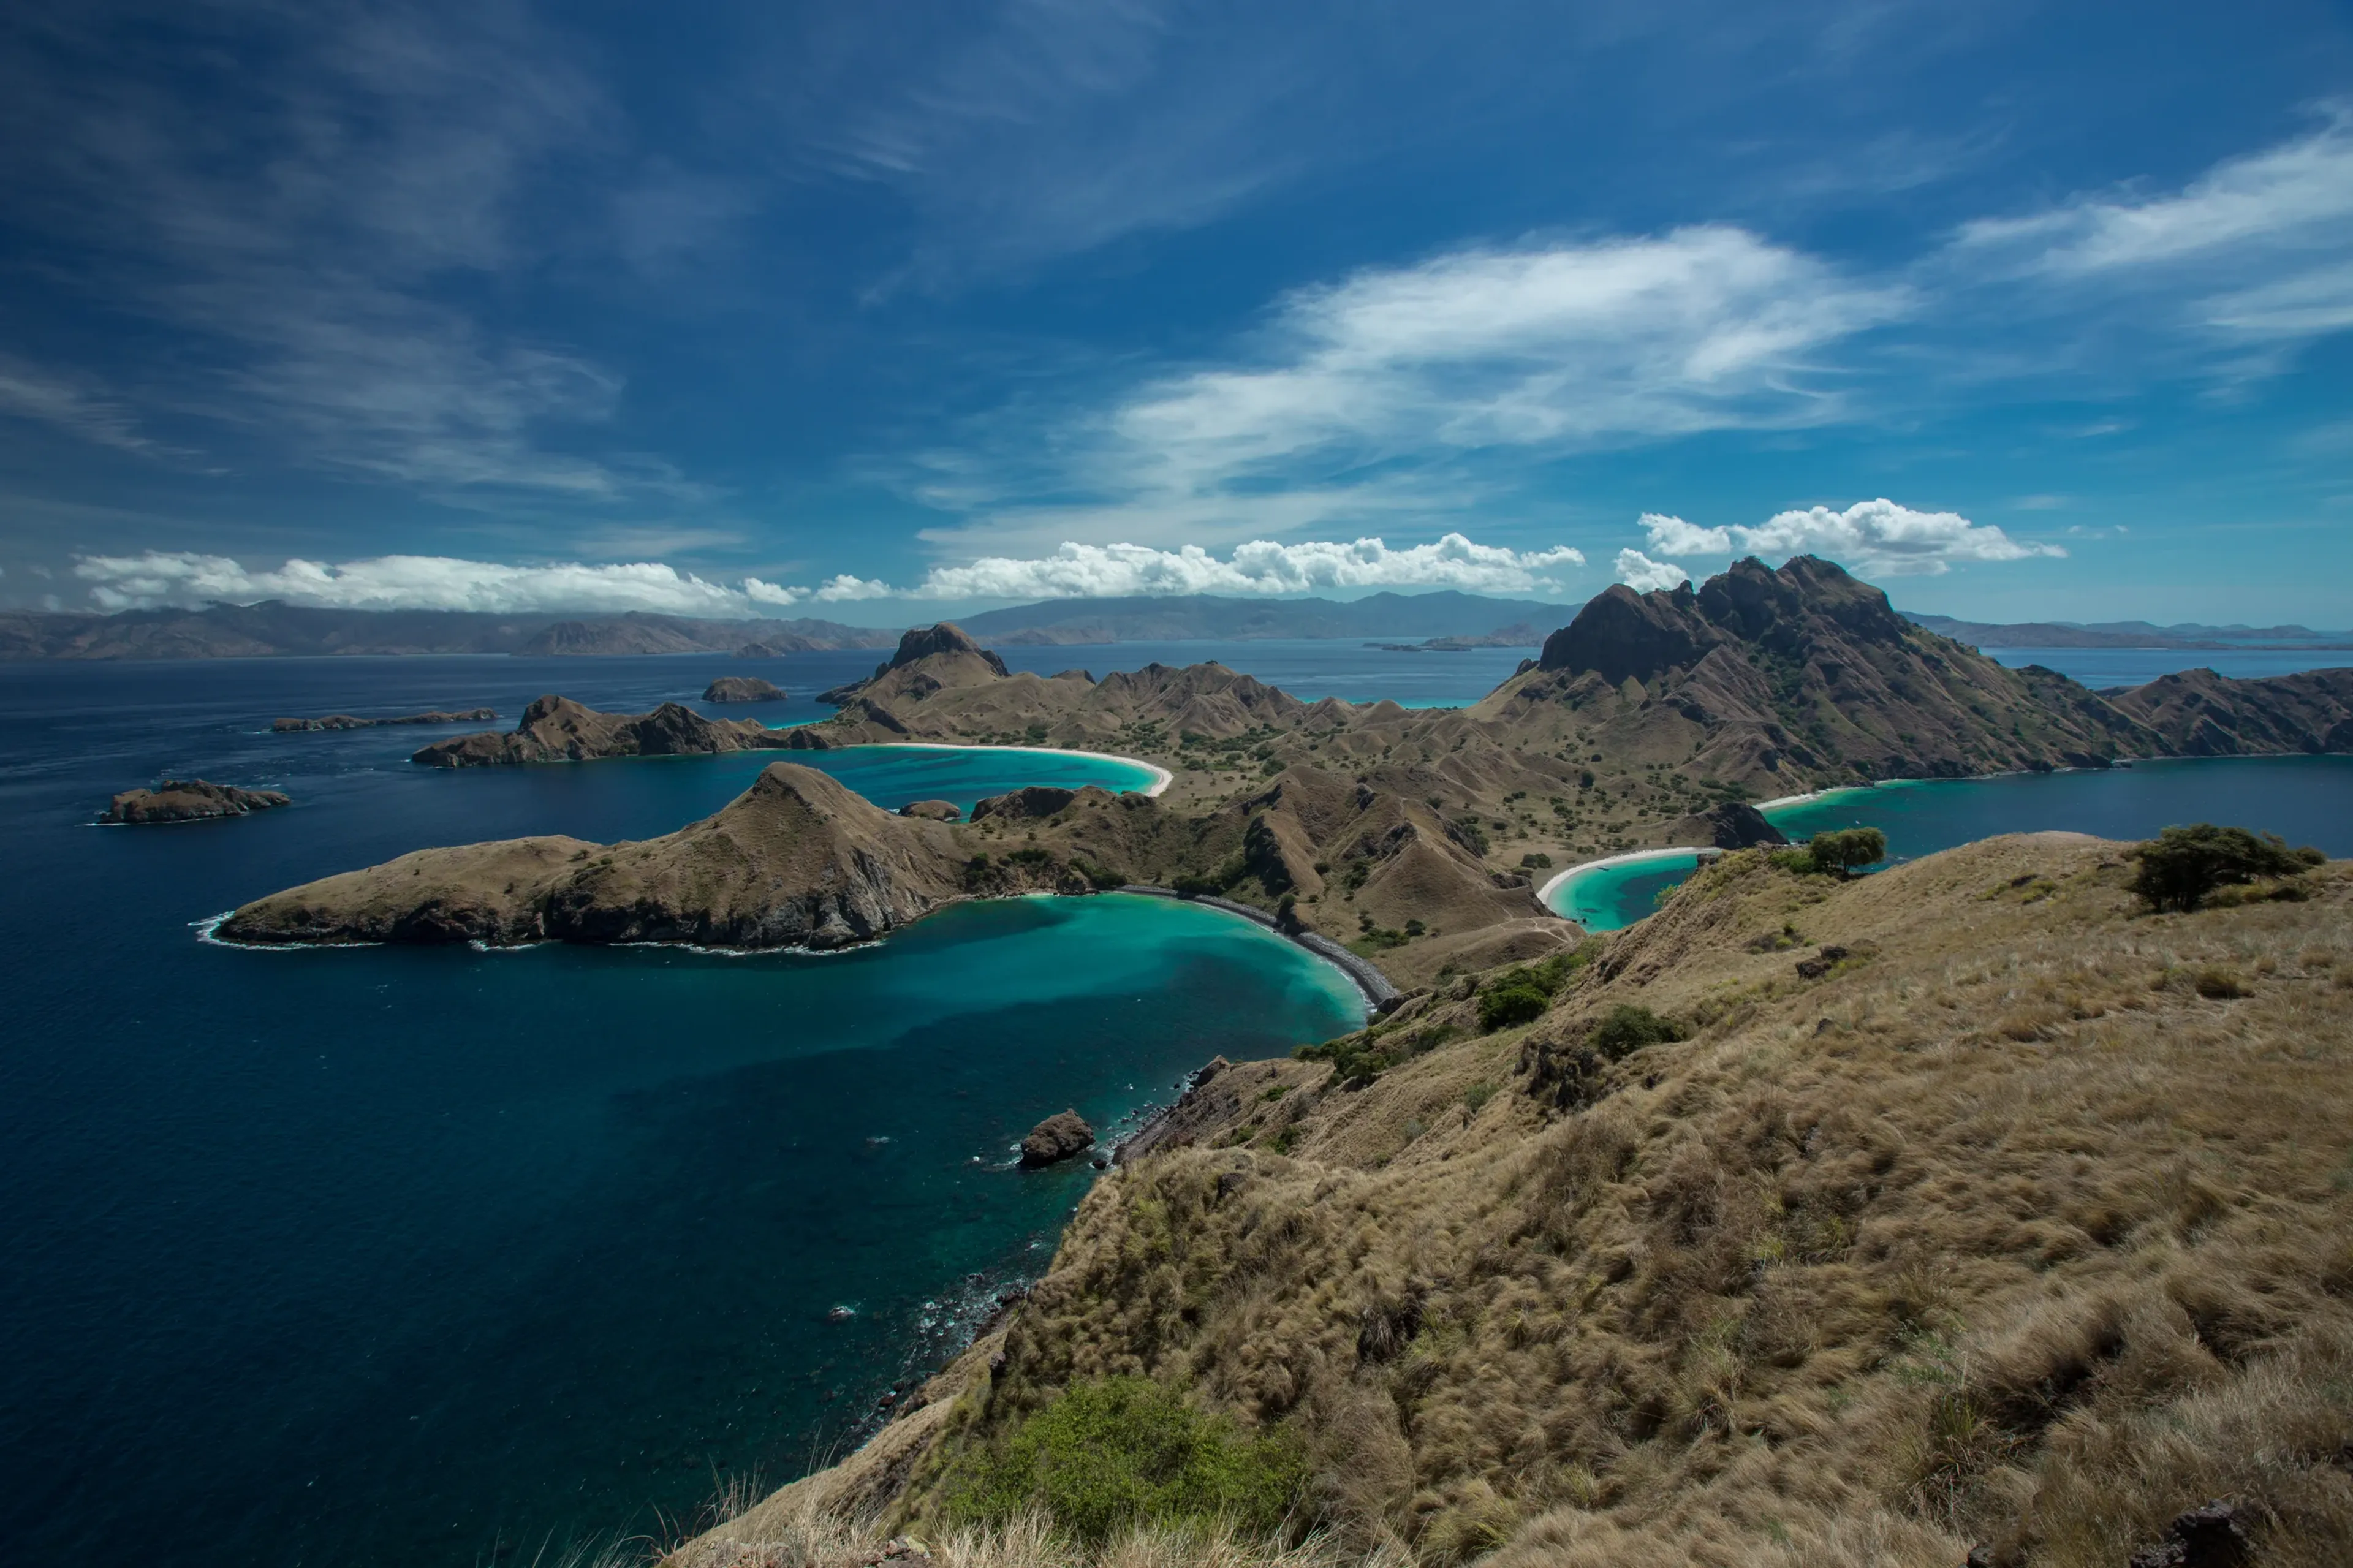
(398, 1256)
(2099, 668)
(403, 1256)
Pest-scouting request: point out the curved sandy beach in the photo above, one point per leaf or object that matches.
(1545, 893)
(1161, 777)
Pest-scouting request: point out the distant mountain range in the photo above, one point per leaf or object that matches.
(2127, 634)
(1202, 617)
(274, 629)
(1435, 622)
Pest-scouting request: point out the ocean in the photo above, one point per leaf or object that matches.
(405, 1256)
(400, 1255)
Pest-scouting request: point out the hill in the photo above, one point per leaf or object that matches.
(1199, 617)
(2128, 633)
(274, 629)
(1998, 1219)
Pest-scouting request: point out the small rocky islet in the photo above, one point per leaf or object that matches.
(189, 800)
(350, 721)
(743, 688)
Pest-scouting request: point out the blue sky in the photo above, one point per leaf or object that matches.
(873, 312)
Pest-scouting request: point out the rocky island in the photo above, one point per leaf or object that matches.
(346, 721)
(189, 800)
(742, 688)
(558, 730)
(1064, 1135)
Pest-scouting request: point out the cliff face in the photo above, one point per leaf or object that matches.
(558, 730)
(796, 860)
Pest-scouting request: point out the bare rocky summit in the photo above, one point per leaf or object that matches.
(189, 800)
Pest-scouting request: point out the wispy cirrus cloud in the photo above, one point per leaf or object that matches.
(304, 248)
(2250, 252)
(70, 405)
(1356, 392)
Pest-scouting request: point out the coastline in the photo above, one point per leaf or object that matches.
(1378, 989)
(1544, 894)
(1162, 777)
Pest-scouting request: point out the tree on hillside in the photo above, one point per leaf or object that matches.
(2181, 866)
(1840, 851)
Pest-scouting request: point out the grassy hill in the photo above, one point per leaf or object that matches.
(1976, 1207)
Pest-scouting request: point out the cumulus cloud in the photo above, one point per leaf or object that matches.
(1644, 576)
(1875, 537)
(1260, 566)
(413, 581)
(1075, 570)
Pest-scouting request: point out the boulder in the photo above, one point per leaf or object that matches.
(2209, 1536)
(189, 800)
(932, 810)
(742, 688)
(1056, 1139)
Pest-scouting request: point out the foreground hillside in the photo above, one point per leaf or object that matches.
(1976, 1208)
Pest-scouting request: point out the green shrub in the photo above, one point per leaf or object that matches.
(1841, 850)
(1106, 1457)
(1502, 1005)
(1627, 1028)
(1537, 860)
(1193, 887)
(2181, 866)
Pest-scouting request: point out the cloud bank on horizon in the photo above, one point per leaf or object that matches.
(1875, 538)
(1002, 300)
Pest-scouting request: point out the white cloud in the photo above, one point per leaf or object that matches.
(411, 583)
(1700, 329)
(1360, 394)
(29, 392)
(445, 582)
(1877, 538)
(2252, 251)
(1260, 566)
(1644, 576)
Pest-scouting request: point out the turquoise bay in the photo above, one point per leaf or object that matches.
(2306, 800)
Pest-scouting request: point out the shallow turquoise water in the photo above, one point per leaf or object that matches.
(2306, 800)
(893, 775)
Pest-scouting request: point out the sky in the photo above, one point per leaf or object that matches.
(877, 312)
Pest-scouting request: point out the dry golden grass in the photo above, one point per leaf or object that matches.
(2028, 1225)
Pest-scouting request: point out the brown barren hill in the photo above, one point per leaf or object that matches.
(1963, 1208)
(558, 730)
(796, 860)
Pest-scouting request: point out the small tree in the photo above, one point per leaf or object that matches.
(1839, 852)
(2181, 866)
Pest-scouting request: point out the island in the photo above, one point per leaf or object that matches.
(189, 800)
(346, 721)
(742, 688)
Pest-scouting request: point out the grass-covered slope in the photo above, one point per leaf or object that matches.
(1977, 1207)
